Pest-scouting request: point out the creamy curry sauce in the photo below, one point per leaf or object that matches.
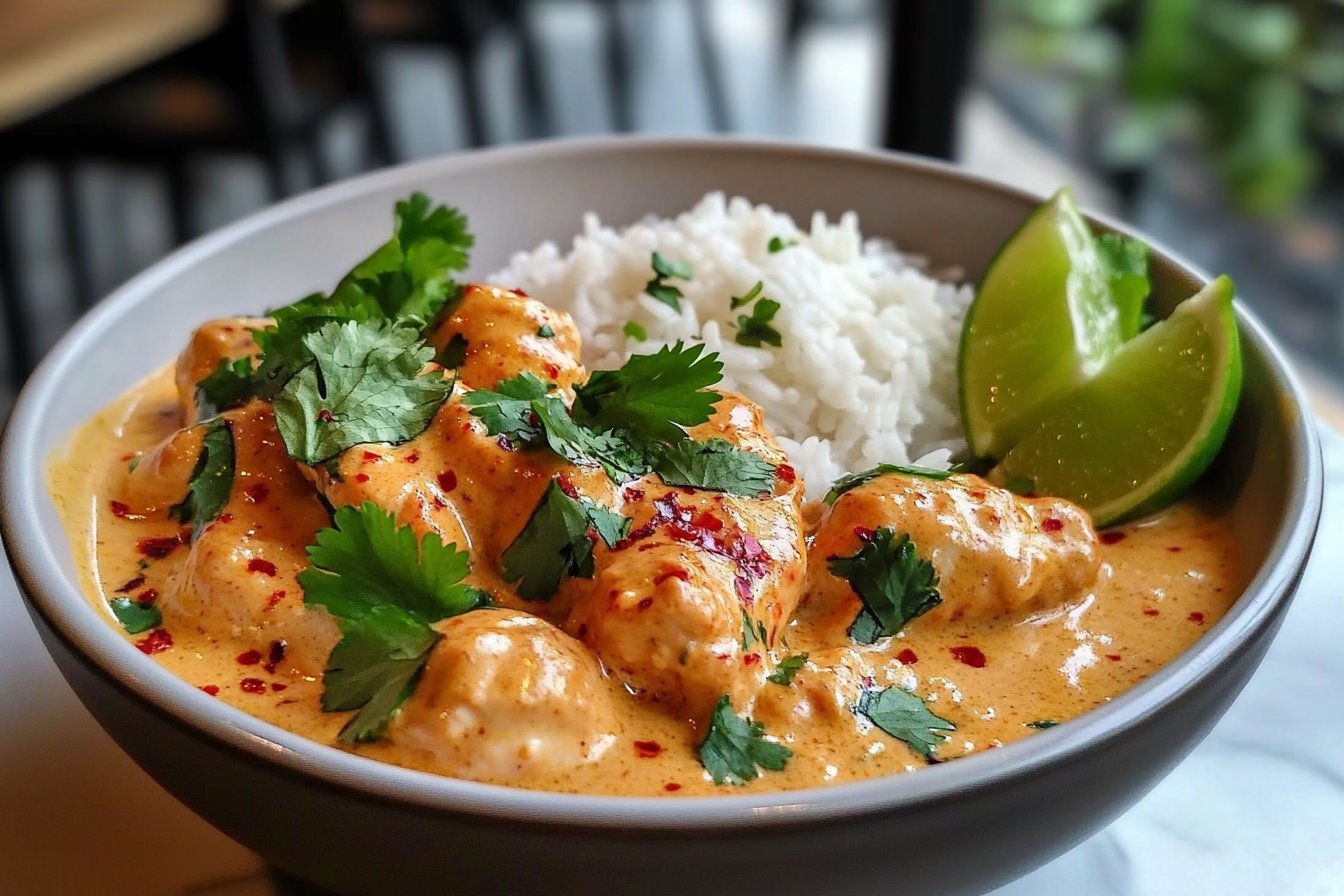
(607, 687)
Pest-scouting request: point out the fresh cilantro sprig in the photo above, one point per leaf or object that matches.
(736, 302)
(231, 385)
(905, 717)
(363, 384)
(557, 542)
(894, 584)
(753, 632)
(854, 480)
(386, 591)
(716, 465)
(211, 480)
(135, 617)
(735, 749)
(1040, 724)
(654, 397)
(787, 669)
(635, 331)
(754, 330)
(779, 244)
(661, 290)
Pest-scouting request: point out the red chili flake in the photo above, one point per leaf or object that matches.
(156, 641)
(249, 658)
(1052, 524)
(265, 567)
(1174, 549)
(519, 292)
(277, 652)
(751, 659)
(255, 494)
(864, 533)
(413, 457)
(672, 574)
(552, 371)
(1150, 612)
(645, 603)
(131, 585)
(687, 490)
(743, 586)
(1113, 657)
(566, 486)
(361, 477)
(158, 548)
(971, 656)
(671, 786)
(1112, 537)
(1197, 618)
(708, 521)
(226, 517)
(785, 473)
(147, 597)
(447, 481)
(253, 685)
(275, 598)
(647, 749)
(370, 456)
(211, 689)
(869, 681)
(908, 657)
(277, 686)
(123, 511)
(503, 442)
(326, 416)
(633, 494)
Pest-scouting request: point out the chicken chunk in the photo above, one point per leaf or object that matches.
(504, 694)
(219, 340)
(995, 553)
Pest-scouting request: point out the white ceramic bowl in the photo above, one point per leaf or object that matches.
(361, 827)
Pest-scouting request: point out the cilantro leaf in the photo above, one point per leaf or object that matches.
(753, 632)
(787, 669)
(894, 584)
(736, 302)
(546, 331)
(507, 409)
(363, 385)
(854, 480)
(734, 747)
(374, 668)
(755, 330)
(134, 616)
(666, 293)
(283, 349)
(635, 331)
(555, 542)
(905, 717)
(779, 244)
(211, 480)
(1125, 262)
(454, 354)
(716, 465)
(1040, 724)
(230, 386)
(652, 396)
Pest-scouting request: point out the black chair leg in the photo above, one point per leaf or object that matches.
(929, 51)
(19, 360)
(72, 229)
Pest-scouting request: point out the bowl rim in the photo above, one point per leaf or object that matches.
(64, 608)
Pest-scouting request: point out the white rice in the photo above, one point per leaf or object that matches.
(867, 370)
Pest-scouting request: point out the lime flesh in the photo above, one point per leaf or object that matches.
(1043, 322)
(1134, 437)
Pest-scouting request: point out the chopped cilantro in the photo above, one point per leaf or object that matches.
(1125, 262)
(454, 354)
(854, 480)
(735, 302)
(134, 616)
(734, 747)
(211, 480)
(779, 244)
(546, 331)
(507, 409)
(894, 584)
(363, 385)
(230, 386)
(753, 632)
(1040, 724)
(905, 717)
(664, 292)
(557, 542)
(135, 462)
(652, 397)
(716, 465)
(755, 330)
(787, 669)
(635, 331)
(385, 590)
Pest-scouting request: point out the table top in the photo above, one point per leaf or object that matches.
(1257, 808)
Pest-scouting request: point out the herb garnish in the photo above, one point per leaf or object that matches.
(894, 584)
(230, 386)
(736, 302)
(854, 480)
(135, 617)
(385, 590)
(454, 353)
(787, 669)
(558, 541)
(716, 465)
(653, 397)
(779, 244)
(546, 332)
(734, 747)
(753, 632)
(1040, 724)
(905, 717)
(211, 480)
(755, 330)
(664, 292)
(635, 331)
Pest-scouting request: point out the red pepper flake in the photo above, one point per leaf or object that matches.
(1112, 537)
(156, 641)
(566, 486)
(131, 585)
(158, 548)
(552, 371)
(275, 598)
(277, 652)
(413, 457)
(147, 597)
(361, 477)
(253, 685)
(371, 456)
(1052, 524)
(326, 416)
(647, 749)
(265, 567)
(907, 657)
(1174, 549)
(1197, 618)
(226, 517)
(123, 511)
(447, 481)
(687, 490)
(1150, 612)
(277, 686)
(633, 494)
(786, 474)
(645, 603)
(249, 658)
(970, 656)
(211, 689)
(751, 659)
(743, 586)
(707, 521)
(255, 494)
(864, 533)
(504, 443)
(672, 574)
(671, 786)
(1113, 657)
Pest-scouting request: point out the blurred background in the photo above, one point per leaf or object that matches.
(128, 127)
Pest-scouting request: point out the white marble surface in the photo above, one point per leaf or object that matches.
(1257, 809)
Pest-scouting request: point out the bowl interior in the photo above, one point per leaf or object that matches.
(515, 199)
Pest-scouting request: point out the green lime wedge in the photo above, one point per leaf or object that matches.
(1134, 437)
(1043, 322)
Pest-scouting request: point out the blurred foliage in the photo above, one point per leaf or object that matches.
(1259, 82)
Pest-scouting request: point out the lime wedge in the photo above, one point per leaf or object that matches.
(1043, 322)
(1138, 434)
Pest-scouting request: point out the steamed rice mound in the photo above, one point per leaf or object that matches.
(867, 370)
